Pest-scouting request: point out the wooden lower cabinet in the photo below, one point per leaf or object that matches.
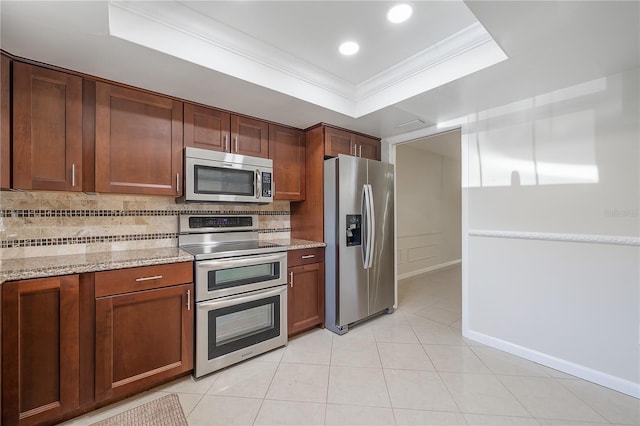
(142, 337)
(69, 344)
(41, 349)
(305, 300)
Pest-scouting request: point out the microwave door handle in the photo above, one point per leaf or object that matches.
(258, 184)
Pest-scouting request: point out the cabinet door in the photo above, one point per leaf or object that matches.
(338, 142)
(40, 349)
(368, 147)
(206, 128)
(142, 339)
(5, 122)
(286, 149)
(138, 142)
(47, 129)
(249, 136)
(305, 297)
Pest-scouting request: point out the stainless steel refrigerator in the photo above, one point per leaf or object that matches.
(359, 233)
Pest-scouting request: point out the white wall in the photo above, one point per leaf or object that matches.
(553, 230)
(428, 195)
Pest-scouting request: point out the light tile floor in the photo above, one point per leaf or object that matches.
(409, 368)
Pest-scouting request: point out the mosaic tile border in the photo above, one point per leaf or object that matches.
(124, 213)
(42, 242)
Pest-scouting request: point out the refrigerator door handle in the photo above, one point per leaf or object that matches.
(371, 224)
(364, 210)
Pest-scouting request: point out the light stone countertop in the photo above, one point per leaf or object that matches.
(42, 267)
(49, 266)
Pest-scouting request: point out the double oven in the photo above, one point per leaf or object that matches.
(240, 289)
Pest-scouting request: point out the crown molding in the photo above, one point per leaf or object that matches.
(457, 44)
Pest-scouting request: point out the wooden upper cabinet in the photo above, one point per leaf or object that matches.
(287, 150)
(338, 142)
(138, 142)
(206, 128)
(40, 349)
(47, 129)
(5, 122)
(368, 147)
(217, 130)
(249, 136)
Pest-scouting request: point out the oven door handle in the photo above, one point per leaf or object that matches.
(241, 298)
(216, 264)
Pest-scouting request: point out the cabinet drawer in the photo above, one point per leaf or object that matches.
(129, 280)
(305, 256)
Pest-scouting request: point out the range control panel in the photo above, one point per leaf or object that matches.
(197, 222)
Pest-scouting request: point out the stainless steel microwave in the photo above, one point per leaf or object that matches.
(212, 176)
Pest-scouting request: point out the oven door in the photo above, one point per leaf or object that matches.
(234, 328)
(224, 277)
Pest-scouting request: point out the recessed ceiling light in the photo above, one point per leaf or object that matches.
(399, 13)
(349, 48)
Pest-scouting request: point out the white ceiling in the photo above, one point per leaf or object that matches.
(550, 45)
(312, 30)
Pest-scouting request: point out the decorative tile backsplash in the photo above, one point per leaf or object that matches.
(42, 223)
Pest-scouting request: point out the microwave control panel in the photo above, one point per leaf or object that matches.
(266, 184)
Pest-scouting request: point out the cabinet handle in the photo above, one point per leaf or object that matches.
(226, 144)
(236, 139)
(354, 150)
(291, 278)
(178, 183)
(155, 277)
(308, 256)
(73, 175)
(188, 300)
(360, 151)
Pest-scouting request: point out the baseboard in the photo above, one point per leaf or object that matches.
(429, 269)
(586, 373)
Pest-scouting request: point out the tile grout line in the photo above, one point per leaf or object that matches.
(386, 384)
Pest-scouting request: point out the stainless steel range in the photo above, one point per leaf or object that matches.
(241, 289)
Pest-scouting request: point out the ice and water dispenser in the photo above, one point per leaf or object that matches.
(354, 222)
